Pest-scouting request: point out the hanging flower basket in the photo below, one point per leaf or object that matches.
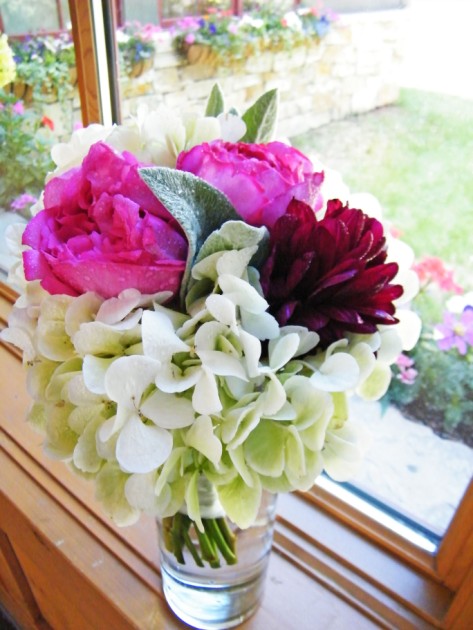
(140, 67)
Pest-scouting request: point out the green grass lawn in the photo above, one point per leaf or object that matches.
(416, 157)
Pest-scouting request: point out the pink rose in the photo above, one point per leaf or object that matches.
(103, 230)
(259, 179)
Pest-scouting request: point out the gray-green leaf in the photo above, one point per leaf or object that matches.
(197, 206)
(260, 118)
(216, 102)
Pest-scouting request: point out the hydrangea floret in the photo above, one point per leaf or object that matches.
(190, 396)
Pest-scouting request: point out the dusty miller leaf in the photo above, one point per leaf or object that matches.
(260, 118)
(198, 207)
(216, 102)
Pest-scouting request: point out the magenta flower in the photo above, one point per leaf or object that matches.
(18, 108)
(103, 230)
(259, 179)
(22, 201)
(330, 275)
(457, 332)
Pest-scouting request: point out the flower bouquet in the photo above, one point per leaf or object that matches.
(195, 315)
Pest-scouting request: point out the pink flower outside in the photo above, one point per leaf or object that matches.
(18, 108)
(433, 269)
(457, 332)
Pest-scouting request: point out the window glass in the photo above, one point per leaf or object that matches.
(280, 6)
(194, 7)
(142, 10)
(28, 17)
(39, 106)
(415, 157)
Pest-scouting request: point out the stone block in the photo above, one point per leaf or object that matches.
(168, 60)
(167, 80)
(197, 72)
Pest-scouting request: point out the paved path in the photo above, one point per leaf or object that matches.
(411, 468)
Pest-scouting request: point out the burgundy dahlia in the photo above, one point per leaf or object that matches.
(330, 275)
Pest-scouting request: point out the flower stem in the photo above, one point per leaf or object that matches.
(216, 540)
(214, 531)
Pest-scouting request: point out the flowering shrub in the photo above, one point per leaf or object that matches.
(234, 38)
(135, 44)
(7, 63)
(25, 144)
(43, 62)
(434, 382)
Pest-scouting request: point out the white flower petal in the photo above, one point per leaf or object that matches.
(128, 377)
(205, 398)
(409, 328)
(365, 358)
(159, 339)
(376, 385)
(337, 373)
(261, 325)
(273, 398)
(82, 309)
(391, 345)
(222, 309)
(201, 437)
(242, 293)
(171, 380)
(142, 448)
(94, 370)
(222, 364)
(168, 411)
(232, 127)
(207, 335)
(252, 350)
(282, 350)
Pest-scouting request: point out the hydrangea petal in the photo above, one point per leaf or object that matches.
(85, 456)
(376, 385)
(201, 437)
(168, 411)
(282, 350)
(264, 448)
(142, 448)
(110, 491)
(338, 373)
(94, 370)
(159, 339)
(240, 501)
(205, 398)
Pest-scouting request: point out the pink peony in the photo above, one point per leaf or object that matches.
(103, 230)
(259, 179)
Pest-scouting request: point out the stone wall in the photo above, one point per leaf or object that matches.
(354, 69)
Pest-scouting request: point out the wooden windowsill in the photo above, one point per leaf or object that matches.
(67, 565)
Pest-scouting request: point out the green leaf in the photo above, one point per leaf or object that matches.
(198, 207)
(216, 103)
(260, 118)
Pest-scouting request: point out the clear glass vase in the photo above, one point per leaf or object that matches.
(219, 597)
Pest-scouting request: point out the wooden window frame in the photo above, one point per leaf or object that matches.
(389, 579)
